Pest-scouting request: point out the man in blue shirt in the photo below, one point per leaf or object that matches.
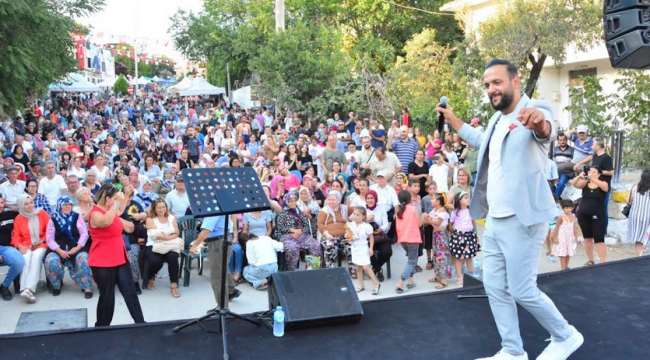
(212, 231)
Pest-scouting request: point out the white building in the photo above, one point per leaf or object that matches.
(553, 85)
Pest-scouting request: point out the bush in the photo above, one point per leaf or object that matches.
(121, 86)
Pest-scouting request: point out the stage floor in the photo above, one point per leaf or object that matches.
(609, 304)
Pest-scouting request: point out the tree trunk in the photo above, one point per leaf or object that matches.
(534, 73)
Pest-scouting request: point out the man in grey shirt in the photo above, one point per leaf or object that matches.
(331, 154)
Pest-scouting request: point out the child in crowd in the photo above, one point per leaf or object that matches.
(439, 218)
(408, 234)
(360, 234)
(464, 244)
(565, 234)
(413, 187)
(427, 207)
(261, 252)
(551, 225)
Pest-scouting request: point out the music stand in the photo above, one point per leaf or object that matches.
(223, 192)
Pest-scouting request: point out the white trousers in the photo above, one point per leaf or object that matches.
(32, 270)
(510, 265)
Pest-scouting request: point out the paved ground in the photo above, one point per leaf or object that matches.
(158, 305)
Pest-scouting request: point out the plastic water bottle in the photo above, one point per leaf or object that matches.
(477, 265)
(278, 322)
(550, 258)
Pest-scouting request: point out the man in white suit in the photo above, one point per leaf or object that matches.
(512, 194)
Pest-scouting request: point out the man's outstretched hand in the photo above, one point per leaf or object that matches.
(535, 120)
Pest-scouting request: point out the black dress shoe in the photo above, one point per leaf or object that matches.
(56, 292)
(6, 294)
(233, 295)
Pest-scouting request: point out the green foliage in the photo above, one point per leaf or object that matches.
(37, 47)
(634, 107)
(296, 66)
(527, 32)
(369, 35)
(121, 85)
(590, 106)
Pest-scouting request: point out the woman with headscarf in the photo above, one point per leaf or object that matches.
(145, 195)
(167, 154)
(316, 193)
(29, 238)
(66, 236)
(378, 219)
(331, 223)
(294, 231)
(166, 182)
(310, 208)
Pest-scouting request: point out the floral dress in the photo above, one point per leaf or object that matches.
(440, 246)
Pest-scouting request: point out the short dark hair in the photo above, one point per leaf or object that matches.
(561, 135)
(566, 203)
(510, 67)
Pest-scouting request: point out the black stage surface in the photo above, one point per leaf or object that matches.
(609, 304)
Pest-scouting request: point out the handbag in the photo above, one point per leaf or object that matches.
(381, 237)
(628, 207)
(164, 246)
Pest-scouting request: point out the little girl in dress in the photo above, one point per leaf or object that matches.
(565, 234)
(359, 233)
(464, 243)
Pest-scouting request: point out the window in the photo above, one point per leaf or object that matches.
(575, 76)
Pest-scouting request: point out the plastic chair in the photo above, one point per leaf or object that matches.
(189, 233)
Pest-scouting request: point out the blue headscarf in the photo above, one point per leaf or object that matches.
(146, 198)
(169, 184)
(65, 222)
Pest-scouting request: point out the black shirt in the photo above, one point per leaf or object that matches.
(305, 161)
(414, 169)
(605, 163)
(593, 202)
(6, 226)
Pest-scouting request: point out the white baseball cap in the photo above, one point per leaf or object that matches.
(582, 129)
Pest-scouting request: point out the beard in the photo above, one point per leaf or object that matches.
(506, 100)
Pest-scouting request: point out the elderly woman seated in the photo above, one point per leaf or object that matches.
(66, 236)
(331, 223)
(293, 230)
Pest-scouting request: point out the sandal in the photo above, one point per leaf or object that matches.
(359, 289)
(429, 265)
(590, 263)
(434, 280)
(459, 282)
(400, 290)
(375, 291)
(175, 293)
(441, 285)
(151, 285)
(410, 286)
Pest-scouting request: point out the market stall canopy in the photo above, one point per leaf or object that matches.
(200, 86)
(140, 81)
(75, 83)
(186, 83)
(110, 82)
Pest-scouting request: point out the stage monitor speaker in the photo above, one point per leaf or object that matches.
(627, 33)
(315, 298)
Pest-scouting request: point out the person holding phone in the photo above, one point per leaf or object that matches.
(591, 211)
(441, 171)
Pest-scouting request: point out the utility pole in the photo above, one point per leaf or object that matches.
(279, 15)
(229, 88)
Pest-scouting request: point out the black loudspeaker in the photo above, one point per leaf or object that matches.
(627, 32)
(315, 298)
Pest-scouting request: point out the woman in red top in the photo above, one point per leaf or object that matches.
(108, 257)
(29, 238)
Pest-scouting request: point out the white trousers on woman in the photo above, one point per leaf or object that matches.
(32, 270)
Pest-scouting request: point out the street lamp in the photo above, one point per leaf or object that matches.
(615, 123)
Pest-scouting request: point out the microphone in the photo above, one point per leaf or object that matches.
(441, 117)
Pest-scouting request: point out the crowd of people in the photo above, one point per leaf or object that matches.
(340, 187)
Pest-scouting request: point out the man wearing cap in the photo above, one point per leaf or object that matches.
(11, 188)
(177, 200)
(583, 147)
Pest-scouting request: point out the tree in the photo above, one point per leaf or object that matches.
(37, 46)
(530, 32)
(590, 106)
(424, 75)
(121, 85)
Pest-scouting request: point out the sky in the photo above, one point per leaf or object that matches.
(145, 19)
